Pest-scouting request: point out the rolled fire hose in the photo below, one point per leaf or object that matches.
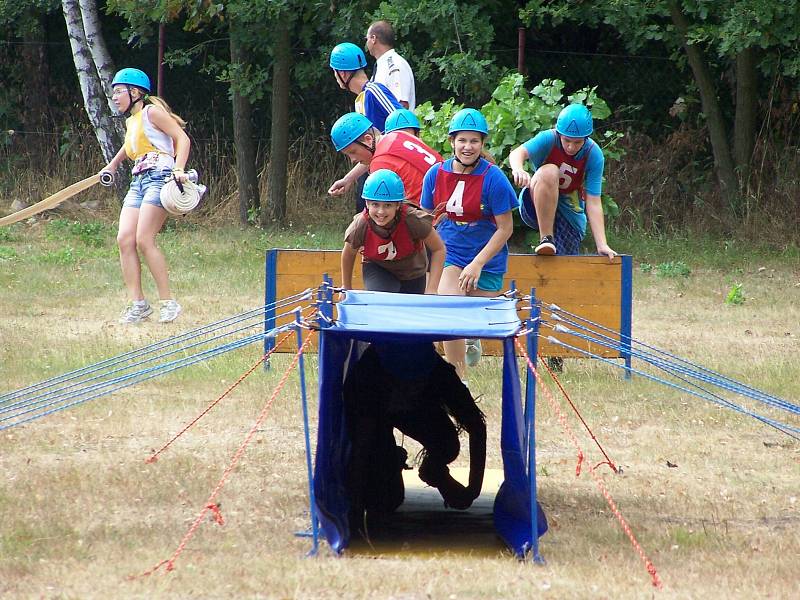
(180, 198)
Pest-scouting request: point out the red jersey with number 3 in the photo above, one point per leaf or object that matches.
(408, 156)
(398, 245)
(571, 170)
(459, 194)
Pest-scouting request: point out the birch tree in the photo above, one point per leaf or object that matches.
(98, 49)
(95, 98)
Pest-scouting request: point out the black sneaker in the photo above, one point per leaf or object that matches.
(546, 247)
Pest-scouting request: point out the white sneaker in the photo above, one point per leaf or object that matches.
(169, 311)
(474, 351)
(136, 313)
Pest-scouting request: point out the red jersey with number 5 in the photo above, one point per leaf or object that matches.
(571, 170)
(398, 245)
(409, 157)
(459, 195)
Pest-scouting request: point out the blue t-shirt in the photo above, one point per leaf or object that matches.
(463, 241)
(376, 102)
(570, 206)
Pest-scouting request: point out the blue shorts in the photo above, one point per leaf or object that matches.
(488, 282)
(146, 187)
(567, 238)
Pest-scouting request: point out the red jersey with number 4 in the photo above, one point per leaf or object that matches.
(409, 157)
(398, 245)
(572, 170)
(459, 195)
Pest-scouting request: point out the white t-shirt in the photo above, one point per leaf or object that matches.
(394, 72)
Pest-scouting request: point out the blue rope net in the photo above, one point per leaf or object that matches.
(686, 376)
(105, 377)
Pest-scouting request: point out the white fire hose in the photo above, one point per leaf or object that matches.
(180, 198)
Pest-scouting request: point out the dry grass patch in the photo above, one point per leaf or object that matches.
(82, 510)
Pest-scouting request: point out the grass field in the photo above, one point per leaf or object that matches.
(81, 510)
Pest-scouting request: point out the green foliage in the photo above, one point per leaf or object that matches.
(66, 256)
(515, 115)
(445, 40)
(673, 269)
(93, 233)
(7, 253)
(646, 267)
(735, 295)
(9, 234)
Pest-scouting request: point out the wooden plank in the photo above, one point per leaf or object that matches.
(589, 286)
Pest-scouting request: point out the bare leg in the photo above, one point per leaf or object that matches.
(128, 257)
(455, 351)
(151, 219)
(544, 191)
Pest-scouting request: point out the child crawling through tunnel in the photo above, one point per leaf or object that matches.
(410, 387)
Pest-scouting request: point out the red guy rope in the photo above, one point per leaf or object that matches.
(608, 461)
(563, 420)
(154, 457)
(210, 504)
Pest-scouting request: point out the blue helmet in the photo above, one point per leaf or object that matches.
(348, 128)
(384, 186)
(347, 57)
(575, 121)
(469, 119)
(401, 118)
(134, 77)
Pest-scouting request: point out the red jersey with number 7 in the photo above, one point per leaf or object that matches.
(398, 245)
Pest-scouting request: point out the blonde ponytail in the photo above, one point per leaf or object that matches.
(161, 103)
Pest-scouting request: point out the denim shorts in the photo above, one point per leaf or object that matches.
(146, 187)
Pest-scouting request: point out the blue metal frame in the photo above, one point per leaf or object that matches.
(270, 296)
(626, 311)
(532, 343)
(307, 434)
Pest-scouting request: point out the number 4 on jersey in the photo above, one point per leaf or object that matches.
(455, 204)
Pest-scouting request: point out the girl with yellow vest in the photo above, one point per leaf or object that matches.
(159, 147)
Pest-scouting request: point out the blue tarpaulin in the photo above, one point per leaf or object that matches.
(409, 318)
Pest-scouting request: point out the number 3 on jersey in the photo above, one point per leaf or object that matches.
(389, 249)
(427, 156)
(455, 204)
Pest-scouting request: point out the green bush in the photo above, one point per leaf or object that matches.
(673, 269)
(515, 115)
(735, 295)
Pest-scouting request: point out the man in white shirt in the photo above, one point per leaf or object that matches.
(391, 69)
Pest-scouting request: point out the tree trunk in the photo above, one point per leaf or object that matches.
(723, 159)
(243, 136)
(97, 46)
(279, 146)
(744, 133)
(94, 98)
